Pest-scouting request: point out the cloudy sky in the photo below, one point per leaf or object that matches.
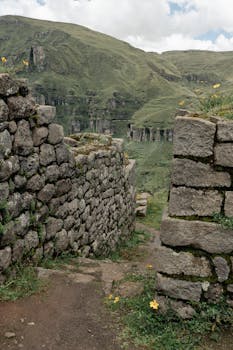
(153, 25)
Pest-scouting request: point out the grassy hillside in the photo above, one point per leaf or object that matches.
(89, 74)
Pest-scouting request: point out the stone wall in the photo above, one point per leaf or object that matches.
(57, 193)
(149, 134)
(195, 260)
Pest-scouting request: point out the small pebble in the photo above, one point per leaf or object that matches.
(9, 335)
(31, 323)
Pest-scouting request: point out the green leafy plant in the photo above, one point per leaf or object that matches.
(23, 283)
(225, 221)
(145, 326)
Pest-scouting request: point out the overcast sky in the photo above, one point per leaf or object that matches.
(152, 25)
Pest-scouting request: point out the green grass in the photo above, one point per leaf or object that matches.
(156, 205)
(23, 283)
(225, 221)
(60, 261)
(129, 249)
(153, 161)
(88, 73)
(148, 328)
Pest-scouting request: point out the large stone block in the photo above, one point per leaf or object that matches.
(5, 258)
(188, 201)
(39, 135)
(45, 115)
(173, 263)
(3, 111)
(21, 107)
(8, 86)
(222, 269)
(8, 167)
(47, 154)
(228, 206)
(5, 144)
(56, 134)
(225, 130)
(187, 172)
(179, 289)
(23, 143)
(223, 154)
(210, 237)
(193, 137)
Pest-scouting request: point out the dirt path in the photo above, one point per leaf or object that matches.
(70, 314)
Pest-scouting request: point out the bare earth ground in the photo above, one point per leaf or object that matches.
(70, 314)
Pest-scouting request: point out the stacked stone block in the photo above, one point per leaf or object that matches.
(57, 194)
(195, 260)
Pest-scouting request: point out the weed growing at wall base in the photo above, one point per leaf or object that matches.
(24, 283)
(147, 327)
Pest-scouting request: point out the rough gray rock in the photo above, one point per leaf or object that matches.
(5, 258)
(225, 130)
(62, 153)
(179, 289)
(3, 111)
(222, 269)
(214, 292)
(8, 167)
(61, 241)
(228, 206)
(31, 240)
(56, 134)
(45, 115)
(21, 107)
(39, 135)
(193, 137)
(8, 86)
(35, 183)
(62, 187)
(47, 154)
(4, 191)
(52, 173)
(23, 144)
(5, 144)
(186, 172)
(53, 226)
(188, 201)
(46, 194)
(29, 165)
(207, 236)
(170, 262)
(223, 153)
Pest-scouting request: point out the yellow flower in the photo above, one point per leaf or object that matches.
(25, 62)
(214, 96)
(149, 266)
(3, 59)
(116, 300)
(181, 103)
(110, 297)
(154, 305)
(216, 86)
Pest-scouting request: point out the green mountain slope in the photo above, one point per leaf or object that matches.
(89, 75)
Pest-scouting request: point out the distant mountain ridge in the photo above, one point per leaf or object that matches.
(88, 75)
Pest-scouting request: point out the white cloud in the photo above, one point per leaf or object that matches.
(147, 24)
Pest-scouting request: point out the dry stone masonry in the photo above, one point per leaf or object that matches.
(57, 193)
(195, 260)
